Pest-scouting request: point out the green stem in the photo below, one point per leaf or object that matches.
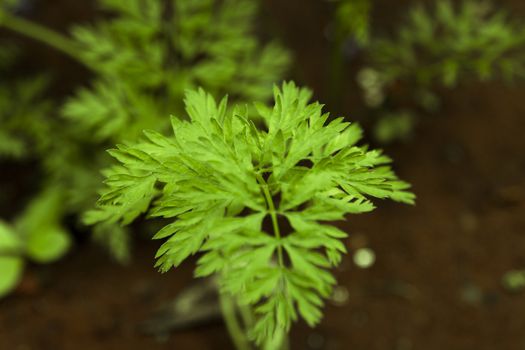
(11, 253)
(232, 324)
(273, 215)
(278, 342)
(247, 316)
(41, 33)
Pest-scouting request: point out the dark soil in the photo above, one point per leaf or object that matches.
(436, 283)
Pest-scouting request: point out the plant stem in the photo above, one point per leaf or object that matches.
(247, 315)
(41, 33)
(278, 342)
(273, 215)
(232, 324)
(11, 253)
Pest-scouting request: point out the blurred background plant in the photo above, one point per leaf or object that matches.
(438, 46)
(142, 56)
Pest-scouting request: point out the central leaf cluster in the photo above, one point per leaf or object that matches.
(221, 175)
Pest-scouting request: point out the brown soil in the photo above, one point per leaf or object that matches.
(436, 283)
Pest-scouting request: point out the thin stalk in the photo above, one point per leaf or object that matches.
(42, 34)
(278, 342)
(232, 324)
(273, 215)
(246, 315)
(280, 339)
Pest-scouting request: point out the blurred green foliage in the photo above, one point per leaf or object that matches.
(148, 53)
(143, 55)
(218, 176)
(353, 19)
(23, 111)
(514, 281)
(440, 45)
(452, 41)
(37, 234)
(394, 126)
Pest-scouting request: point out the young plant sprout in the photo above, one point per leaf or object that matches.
(221, 176)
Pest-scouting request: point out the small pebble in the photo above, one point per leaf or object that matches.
(340, 296)
(364, 258)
